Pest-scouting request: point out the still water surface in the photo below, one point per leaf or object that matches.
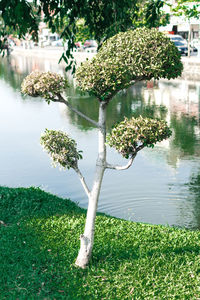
(162, 186)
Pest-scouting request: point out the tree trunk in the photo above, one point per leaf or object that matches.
(87, 238)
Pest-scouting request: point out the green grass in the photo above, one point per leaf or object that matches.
(39, 242)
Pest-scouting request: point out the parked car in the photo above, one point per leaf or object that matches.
(183, 49)
(177, 37)
(90, 43)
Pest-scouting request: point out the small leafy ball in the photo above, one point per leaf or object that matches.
(131, 135)
(134, 55)
(61, 148)
(45, 84)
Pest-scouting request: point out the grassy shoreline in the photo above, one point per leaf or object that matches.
(39, 242)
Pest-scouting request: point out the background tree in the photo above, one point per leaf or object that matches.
(82, 31)
(102, 18)
(188, 10)
(151, 14)
(18, 17)
(126, 58)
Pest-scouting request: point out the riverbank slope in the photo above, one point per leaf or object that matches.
(39, 242)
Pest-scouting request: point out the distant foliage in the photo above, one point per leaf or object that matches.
(45, 84)
(19, 18)
(61, 148)
(131, 134)
(135, 55)
(82, 31)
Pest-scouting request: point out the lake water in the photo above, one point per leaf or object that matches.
(162, 186)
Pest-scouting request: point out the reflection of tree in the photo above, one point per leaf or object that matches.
(9, 74)
(194, 188)
(195, 185)
(14, 68)
(189, 206)
(86, 105)
(152, 111)
(185, 137)
(128, 103)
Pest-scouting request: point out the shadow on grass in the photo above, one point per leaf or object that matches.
(39, 242)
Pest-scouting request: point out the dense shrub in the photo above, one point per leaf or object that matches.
(61, 148)
(129, 136)
(45, 84)
(140, 54)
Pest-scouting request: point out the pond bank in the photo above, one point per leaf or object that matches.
(53, 53)
(39, 242)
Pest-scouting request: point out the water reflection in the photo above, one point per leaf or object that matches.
(194, 187)
(10, 74)
(14, 68)
(127, 103)
(186, 134)
(159, 188)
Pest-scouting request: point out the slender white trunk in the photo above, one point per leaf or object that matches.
(87, 238)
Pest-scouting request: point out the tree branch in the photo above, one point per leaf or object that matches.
(125, 167)
(82, 179)
(62, 100)
(140, 147)
(129, 164)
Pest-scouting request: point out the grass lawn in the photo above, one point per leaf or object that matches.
(39, 242)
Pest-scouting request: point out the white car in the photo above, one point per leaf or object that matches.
(177, 37)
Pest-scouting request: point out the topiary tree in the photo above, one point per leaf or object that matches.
(126, 58)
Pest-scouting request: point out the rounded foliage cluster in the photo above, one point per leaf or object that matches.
(140, 54)
(131, 135)
(45, 84)
(61, 148)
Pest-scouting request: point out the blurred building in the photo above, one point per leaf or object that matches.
(181, 24)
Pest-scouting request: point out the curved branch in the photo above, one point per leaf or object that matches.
(140, 147)
(125, 167)
(129, 164)
(82, 179)
(62, 100)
